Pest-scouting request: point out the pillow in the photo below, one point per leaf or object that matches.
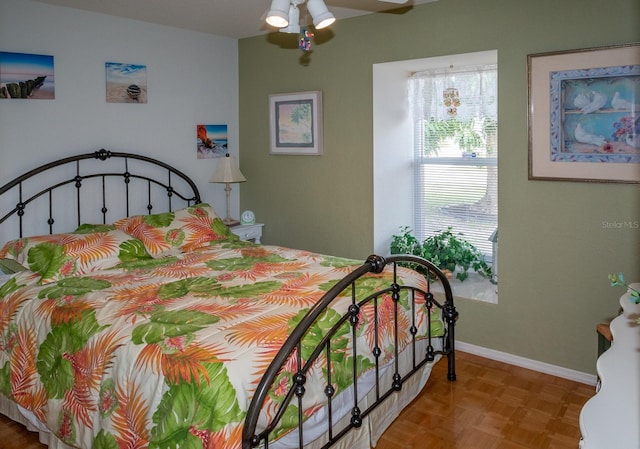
(171, 233)
(57, 256)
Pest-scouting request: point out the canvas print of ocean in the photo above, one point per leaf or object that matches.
(211, 141)
(26, 76)
(126, 83)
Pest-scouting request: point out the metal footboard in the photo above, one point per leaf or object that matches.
(293, 348)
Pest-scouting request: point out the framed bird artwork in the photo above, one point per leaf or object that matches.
(584, 114)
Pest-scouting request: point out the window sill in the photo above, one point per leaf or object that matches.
(462, 161)
(475, 287)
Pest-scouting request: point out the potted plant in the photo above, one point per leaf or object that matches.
(448, 251)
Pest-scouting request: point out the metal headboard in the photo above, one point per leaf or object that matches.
(176, 185)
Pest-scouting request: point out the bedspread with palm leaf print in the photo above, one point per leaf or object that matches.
(161, 353)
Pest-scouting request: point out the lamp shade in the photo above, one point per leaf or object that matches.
(227, 171)
(320, 14)
(278, 15)
(294, 21)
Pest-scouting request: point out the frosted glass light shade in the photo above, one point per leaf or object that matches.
(278, 15)
(321, 15)
(294, 21)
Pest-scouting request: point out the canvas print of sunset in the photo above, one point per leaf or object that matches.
(211, 141)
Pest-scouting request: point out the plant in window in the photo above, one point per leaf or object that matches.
(448, 251)
(490, 133)
(464, 133)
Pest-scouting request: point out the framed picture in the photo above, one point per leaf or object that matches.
(296, 123)
(584, 114)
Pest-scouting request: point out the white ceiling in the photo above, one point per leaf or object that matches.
(232, 18)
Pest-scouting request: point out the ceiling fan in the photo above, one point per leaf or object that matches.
(285, 15)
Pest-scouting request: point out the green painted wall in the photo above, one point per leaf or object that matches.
(555, 249)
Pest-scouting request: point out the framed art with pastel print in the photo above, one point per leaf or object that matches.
(584, 119)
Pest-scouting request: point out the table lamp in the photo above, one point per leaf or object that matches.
(227, 172)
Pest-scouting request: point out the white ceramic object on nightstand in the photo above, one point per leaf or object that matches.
(248, 218)
(251, 232)
(611, 419)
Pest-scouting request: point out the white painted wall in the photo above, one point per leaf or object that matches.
(192, 78)
(393, 141)
(392, 154)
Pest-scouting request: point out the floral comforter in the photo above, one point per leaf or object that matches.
(161, 352)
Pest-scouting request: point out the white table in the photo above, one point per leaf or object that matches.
(251, 232)
(611, 419)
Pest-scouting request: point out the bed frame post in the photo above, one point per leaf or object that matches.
(450, 316)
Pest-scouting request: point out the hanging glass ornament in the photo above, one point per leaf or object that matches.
(305, 39)
(451, 100)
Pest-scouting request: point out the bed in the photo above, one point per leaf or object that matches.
(130, 316)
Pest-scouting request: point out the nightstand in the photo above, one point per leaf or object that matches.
(251, 233)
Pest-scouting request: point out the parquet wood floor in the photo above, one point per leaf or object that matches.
(492, 405)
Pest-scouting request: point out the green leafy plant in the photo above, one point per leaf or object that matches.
(468, 135)
(448, 251)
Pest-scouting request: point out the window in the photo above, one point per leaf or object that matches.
(454, 112)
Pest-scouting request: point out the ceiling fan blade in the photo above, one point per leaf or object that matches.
(394, 1)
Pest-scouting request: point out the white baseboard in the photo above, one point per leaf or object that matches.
(531, 364)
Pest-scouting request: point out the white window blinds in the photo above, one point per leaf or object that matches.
(456, 153)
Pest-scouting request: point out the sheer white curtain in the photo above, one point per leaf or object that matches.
(455, 156)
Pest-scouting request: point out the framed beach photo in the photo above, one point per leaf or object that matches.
(584, 114)
(296, 123)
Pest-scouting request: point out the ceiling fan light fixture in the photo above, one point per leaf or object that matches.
(320, 14)
(294, 20)
(278, 15)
